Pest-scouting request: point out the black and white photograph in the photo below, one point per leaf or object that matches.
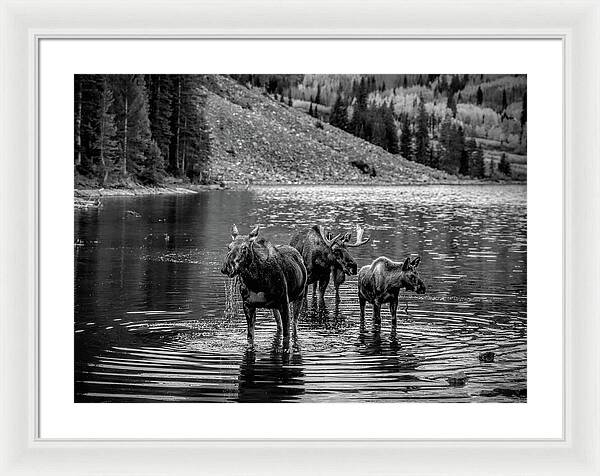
(298, 238)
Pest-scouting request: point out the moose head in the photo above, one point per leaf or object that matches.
(240, 251)
(411, 280)
(339, 248)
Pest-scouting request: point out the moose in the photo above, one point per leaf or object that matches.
(270, 277)
(381, 282)
(323, 255)
(337, 272)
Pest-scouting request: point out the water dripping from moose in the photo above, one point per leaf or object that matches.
(157, 321)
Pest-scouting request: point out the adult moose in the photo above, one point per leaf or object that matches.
(270, 276)
(381, 282)
(322, 255)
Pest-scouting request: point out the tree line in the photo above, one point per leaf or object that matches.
(369, 121)
(451, 152)
(416, 116)
(141, 128)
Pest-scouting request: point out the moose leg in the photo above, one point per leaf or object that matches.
(314, 290)
(284, 311)
(337, 293)
(323, 283)
(393, 309)
(296, 308)
(277, 319)
(362, 302)
(376, 312)
(250, 313)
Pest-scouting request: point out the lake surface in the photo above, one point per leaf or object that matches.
(155, 320)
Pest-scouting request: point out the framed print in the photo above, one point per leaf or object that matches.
(237, 244)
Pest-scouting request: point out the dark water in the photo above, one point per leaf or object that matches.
(156, 321)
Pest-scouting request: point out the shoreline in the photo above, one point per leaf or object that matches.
(90, 197)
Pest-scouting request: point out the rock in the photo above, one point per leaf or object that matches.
(487, 356)
(457, 379)
(518, 392)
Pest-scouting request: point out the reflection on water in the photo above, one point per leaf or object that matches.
(156, 321)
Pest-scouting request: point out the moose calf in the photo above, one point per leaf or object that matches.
(381, 282)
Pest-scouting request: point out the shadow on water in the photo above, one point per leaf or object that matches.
(273, 377)
(156, 321)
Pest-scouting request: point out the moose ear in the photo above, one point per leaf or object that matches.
(346, 237)
(254, 233)
(414, 263)
(234, 232)
(406, 264)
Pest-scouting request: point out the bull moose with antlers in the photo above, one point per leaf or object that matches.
(381, 282)
(322, 255)
(270, 276)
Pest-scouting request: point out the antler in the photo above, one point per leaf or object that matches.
(234, 232)
(360, 231)
(327, 241)
(254, 233)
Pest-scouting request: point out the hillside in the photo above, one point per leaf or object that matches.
(254, 138)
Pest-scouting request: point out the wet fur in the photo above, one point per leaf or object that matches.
(272, 277)
(319, 259)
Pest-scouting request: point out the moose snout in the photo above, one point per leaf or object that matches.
(226, 269)
(421, 288)
(353, 268)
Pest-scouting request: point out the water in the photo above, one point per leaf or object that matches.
(156, 321)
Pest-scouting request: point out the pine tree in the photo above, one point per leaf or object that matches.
(290, 103)
(358, 123)
(524, 110)
(133, 125)
(455, 84)
(405, 83)
(422, 134)
(434, 156)
(504, 101)
(390, 132)
(160, 99)
(452, 142)
(523, 118)
(339, 113)
(451, 104)
(106, 142)
(479, 96)
(78, 118)
(460, 151)
(194, 131)
(504, 166)
(476, 162)
(176, 121)
(467, 158)
(318, 97)
(443, 86)
(406, 140)
(310, 109)
(88, 92)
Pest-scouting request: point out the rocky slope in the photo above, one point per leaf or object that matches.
(254, 138)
